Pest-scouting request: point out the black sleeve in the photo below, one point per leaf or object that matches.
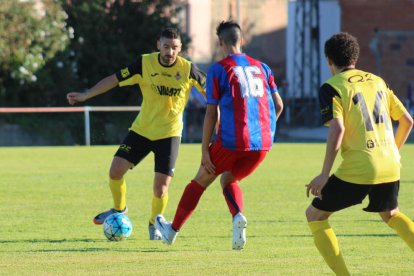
(198, 75)
(133, 69)
(326, 95)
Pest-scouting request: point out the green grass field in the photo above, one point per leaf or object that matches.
(49, 196)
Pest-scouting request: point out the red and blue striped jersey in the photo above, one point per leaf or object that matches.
(242, 87)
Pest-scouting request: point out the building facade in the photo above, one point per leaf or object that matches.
(385, 31)
(263, 22)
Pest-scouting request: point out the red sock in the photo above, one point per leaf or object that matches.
(188, 202)
(234, 198)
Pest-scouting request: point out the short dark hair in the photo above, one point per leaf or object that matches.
(229, 31)
(342, 49)
(171, 33)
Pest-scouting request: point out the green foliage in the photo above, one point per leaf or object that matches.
(107, 36)
(31, 33)
(51, 194)
(40, 64)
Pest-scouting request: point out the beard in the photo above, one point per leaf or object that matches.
(167, 60)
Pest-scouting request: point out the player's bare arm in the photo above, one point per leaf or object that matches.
(101, 87)
(335, 135)
(210, 121)
(278, 104)
(405, 124)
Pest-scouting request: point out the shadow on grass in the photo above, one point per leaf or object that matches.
(343, 235)
(152, 250)
(367, 235)
(91, 249)
(273, 221)
(46, 241)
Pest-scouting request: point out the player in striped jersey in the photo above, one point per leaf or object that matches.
(244, 91)
(358, 107)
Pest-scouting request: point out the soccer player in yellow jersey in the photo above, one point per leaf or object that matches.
(359, 108)
(165, 80)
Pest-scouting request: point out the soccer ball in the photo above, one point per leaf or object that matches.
(117, 227)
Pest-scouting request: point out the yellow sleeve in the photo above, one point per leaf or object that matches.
(130, 81)
(397, 109)
(337, 108)
(131, 74)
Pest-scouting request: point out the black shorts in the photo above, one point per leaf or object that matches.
(135, 147)
(338, 195)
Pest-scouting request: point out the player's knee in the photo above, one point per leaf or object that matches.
(314, 214)
(227, 178)
(308, 213)
(387, 215)
(160, 190)
(160, 193)
(119, 167)
(204, 178)
(115, 173)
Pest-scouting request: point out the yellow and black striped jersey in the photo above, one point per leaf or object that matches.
(366, 105)
(165, 91)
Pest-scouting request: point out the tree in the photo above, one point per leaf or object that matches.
(31, 33)
(80, 42)
(111, 34)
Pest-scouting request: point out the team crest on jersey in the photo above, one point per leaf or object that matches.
(370, 144)
(177, 76)
(125, 72)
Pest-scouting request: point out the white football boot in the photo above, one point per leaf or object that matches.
(167, 233)
(239, 231)
(154, 233)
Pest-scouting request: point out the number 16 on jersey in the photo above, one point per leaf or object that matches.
(250, 84)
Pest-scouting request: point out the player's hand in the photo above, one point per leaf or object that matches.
(76, 97)
(206, 163)
(316, 186)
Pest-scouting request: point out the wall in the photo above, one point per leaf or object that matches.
(385, 30)
(264, 28)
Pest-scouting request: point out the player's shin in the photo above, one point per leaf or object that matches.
(158, 206)
(327, 244)
(188, 202)
(118, 189)
(234, 198)
(404, 227)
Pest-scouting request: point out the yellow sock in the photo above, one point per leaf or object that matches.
(327, 244)
(404, 227)
(118, 189)
(158, 206)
